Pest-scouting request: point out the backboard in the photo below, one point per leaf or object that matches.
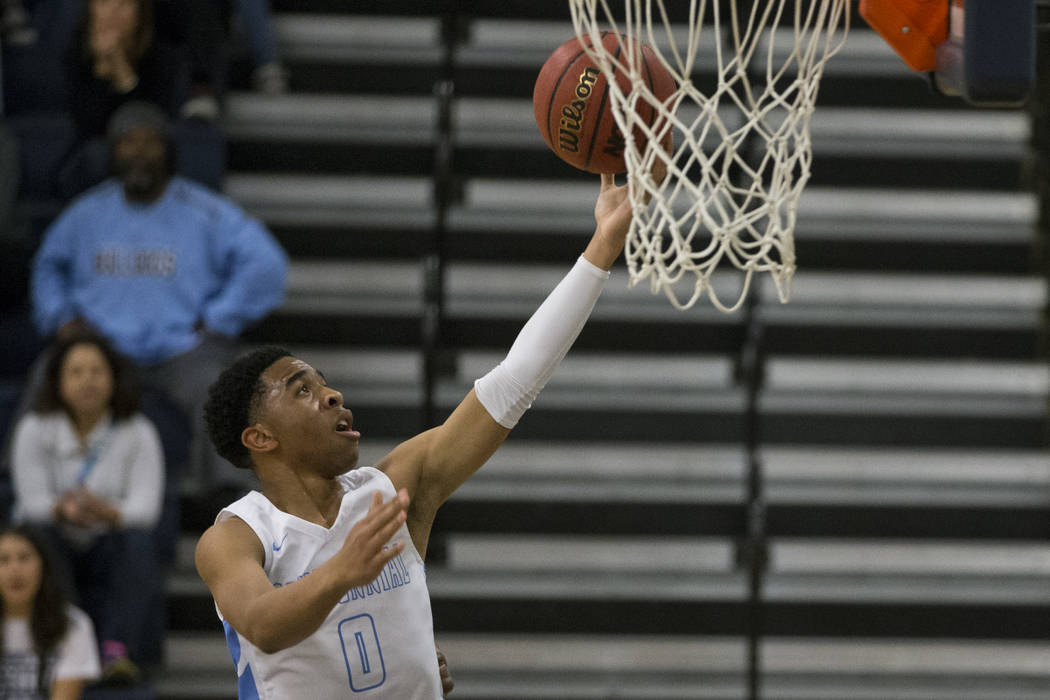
(980, 50)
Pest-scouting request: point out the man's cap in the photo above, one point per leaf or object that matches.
(135, 114)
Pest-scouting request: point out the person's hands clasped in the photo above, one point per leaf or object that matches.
(84, 509)
(108, 47)
(69, 509)
(363, 555)
(97, 509)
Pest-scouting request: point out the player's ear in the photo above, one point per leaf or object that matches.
(258, 439)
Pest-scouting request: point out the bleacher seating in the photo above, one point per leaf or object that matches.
(602, 553)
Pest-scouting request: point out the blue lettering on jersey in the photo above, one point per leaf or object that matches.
(394, 575)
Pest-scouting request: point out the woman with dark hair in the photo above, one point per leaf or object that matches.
(88, 468)
(47, 647)
(116, 57)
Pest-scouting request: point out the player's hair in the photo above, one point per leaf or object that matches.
(233, 403)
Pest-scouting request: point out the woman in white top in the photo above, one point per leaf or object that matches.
(88, 468)
(47, 648)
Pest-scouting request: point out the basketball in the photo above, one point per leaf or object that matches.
(572, 105)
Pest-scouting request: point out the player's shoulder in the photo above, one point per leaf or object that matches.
(226, 538)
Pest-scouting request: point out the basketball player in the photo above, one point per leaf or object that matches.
(318, 577)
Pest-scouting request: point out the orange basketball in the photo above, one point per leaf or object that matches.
(572, 104)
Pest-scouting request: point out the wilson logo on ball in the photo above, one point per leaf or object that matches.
(572, 113)
(573, 108)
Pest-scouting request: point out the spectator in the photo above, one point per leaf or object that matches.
(168, 271)
(47, 649)
(88, 469)
(116, 57)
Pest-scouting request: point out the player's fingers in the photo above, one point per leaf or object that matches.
(384, 556)
(379, 515)
(386, 530)
(395, 505)
(381, 511)
(608, 180)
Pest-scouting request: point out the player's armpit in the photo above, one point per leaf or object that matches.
(435, 463)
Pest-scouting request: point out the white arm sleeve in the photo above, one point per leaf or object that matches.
(509, 390)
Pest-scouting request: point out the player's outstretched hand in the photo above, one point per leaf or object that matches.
(612, 214)
(363, 554)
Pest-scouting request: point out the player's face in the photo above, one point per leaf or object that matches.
(313, 428)
(21, 569)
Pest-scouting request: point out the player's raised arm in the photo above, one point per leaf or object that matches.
(230, 557)
(433, 464)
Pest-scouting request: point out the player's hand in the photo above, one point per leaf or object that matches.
(612, 211)
(363, 555)
(612, 214)
(446, 678)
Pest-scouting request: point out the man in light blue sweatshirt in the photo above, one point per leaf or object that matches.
(169, 271)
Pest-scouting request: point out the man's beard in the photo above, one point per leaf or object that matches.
(143, 182)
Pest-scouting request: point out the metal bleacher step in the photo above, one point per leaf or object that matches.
(562, 666)
(848, 314)
(396, 134)
(947, 401)
(1012, 479)
(922, 315)
(374, 54)
(300, 199)
(392, 119)
(503, 57)
(357, 37)
(379, 303)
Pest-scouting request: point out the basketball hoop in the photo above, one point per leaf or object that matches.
(743, 152)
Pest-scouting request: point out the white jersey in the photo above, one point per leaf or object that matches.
(378, 641)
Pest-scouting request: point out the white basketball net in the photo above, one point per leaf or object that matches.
(742, 154)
